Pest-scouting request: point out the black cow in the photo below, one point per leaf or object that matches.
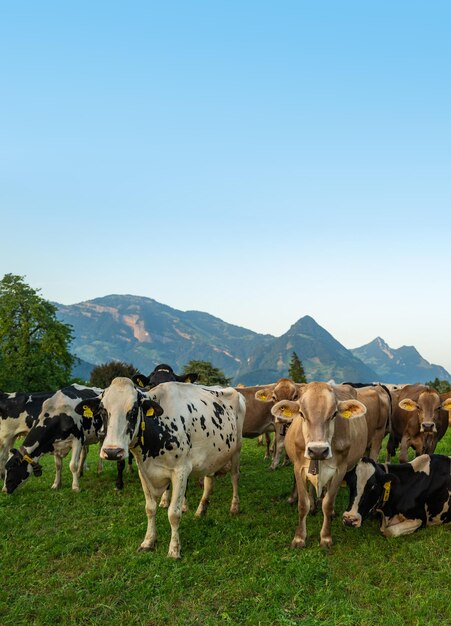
(408, 495)
(163, 374)
(57, 430)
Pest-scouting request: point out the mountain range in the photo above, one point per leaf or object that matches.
(144, 332)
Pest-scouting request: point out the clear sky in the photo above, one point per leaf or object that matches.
(256, 160)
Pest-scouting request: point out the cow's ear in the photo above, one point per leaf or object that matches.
(191, 377)
(350, 409)
(285, 411)
(408, 405)
(151, 408)
(88, 408)
(140, 380)
(265, 394)
(446, 404)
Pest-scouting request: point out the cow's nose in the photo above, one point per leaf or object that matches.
(113, 454)
(427, 427)
(318, 452)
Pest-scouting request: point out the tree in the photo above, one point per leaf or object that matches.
(102, 375)
(442, 386)
(296, 369)
(207, 374)
(34, 345)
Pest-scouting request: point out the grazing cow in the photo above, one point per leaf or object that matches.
(57, 430)
(419, 420)
(163, 374)
(326, 438)
(18, 412)
(173, 430)
(408, 495)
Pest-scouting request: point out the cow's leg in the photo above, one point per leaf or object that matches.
(120, 475)
(235, 476)
(130, 463)
(279, 447)
(6, 443)
(303, 509)
(58, 468)
(399, 525)
(376, 443)
(179, 482)
(328, 508)
(166, 498)
(392, 444)
(268, 445)
(405, 442)
(83, 456)
(75, 463)
(205, 500)
(150, 538)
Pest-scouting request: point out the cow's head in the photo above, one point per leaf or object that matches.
(427, 410)
(162, 374)
(369, 489)
(283, 389)
(123, 409)
(19, 467)
(318, 407)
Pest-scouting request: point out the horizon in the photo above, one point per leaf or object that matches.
(250, 160)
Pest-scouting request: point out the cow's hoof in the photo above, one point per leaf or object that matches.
(55, 486)
(76, 489)
(147, 547)
(297, 543)
(326, 544)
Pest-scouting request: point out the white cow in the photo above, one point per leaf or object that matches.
(173, 430)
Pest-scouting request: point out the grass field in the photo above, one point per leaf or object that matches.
(71, 558)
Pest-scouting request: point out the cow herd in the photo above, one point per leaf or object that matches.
(174, 428)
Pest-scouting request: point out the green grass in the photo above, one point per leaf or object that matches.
(71, 558)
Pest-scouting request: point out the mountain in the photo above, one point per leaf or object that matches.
(402, 365)
(144, 332)
(322, 356)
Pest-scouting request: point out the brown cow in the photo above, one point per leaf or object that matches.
(378, 414)
(417, 420)
(258, 419)
(445, 396)
(326, 439)
(283, 389)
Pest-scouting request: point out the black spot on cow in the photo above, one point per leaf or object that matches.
(158, 438)
(202, 422)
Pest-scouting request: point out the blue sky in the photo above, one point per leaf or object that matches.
(256, 160)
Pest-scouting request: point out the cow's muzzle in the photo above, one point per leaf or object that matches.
(428, 427)
(112, 454)
(318, 451)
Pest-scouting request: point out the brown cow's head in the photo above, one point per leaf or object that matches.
(318, 407)
(283, 389)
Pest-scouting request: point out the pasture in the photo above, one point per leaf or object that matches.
(71, 558)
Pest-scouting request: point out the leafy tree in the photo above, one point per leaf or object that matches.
(442, 386)
(34, 345)
(296, 369)
(102, 375)
(207, 374)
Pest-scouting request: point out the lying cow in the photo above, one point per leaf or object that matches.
(408, 495)
(326, 438)
(419, 420)
(58, 430)
(173, 430)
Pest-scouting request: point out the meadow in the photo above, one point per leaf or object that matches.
(71, 558)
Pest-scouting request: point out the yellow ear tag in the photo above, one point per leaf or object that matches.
(188, 380)
(346, 414)
(387, 487)
(447, 405)
(27, 458)
(150, 412)
(286, 412)
(263, 397)
(143, 425)
(140, 382)
(87, 412)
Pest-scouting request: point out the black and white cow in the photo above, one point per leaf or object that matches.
(57, 430)
(18, 412)
(163, 373)
(174, 430)
(408, 495)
